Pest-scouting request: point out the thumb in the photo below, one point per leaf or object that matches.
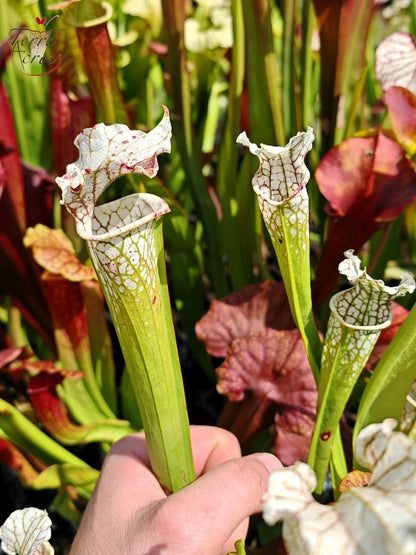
(217, 505)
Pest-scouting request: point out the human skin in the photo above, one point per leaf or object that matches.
(130, 514)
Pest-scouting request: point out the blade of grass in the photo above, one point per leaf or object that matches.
(264, 95)
(174, 17)
(288, 76)
(235, 239)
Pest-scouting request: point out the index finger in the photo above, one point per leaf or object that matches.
(128, 462)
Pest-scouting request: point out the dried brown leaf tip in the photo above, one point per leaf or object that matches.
(355, 479)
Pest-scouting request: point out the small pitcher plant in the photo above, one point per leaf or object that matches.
(280, 186)
(358, 315)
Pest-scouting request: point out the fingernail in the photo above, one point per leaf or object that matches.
(270, 461)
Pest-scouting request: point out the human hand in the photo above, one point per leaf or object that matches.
(129, 513)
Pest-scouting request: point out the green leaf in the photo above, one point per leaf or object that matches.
(24, 434)
(239, 548)
(385, 394)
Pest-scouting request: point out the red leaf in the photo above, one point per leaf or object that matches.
(70, 115)
(39, 194)
(19, 277)
(271, 369)
(99, 64)
(242, 313)
(72, 107)
(12, 354)
(401, 105)
(12, 360)
(69, 318)
(12, 457)
(50, 408)
(10, 159)
(98, 58)
(294, 433)
(368, 182)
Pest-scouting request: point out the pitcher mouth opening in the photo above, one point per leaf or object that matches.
(105, 154)
(266, 194)
(336, 315)
(124, 215)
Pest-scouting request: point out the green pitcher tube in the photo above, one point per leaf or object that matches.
(125, 242)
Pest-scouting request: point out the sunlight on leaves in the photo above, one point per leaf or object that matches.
(380, 518)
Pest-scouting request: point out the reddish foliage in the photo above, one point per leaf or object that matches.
(12, 457)
(294, 434)
(39, 194)
(70, 114)
(99, 63)
(272, 368)
(69, 317)
(243, 313)
(18, 275)
(10, 159)
(401, 105)
(12, 354)
(367, 180)
(48, 405)
(266, 373)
